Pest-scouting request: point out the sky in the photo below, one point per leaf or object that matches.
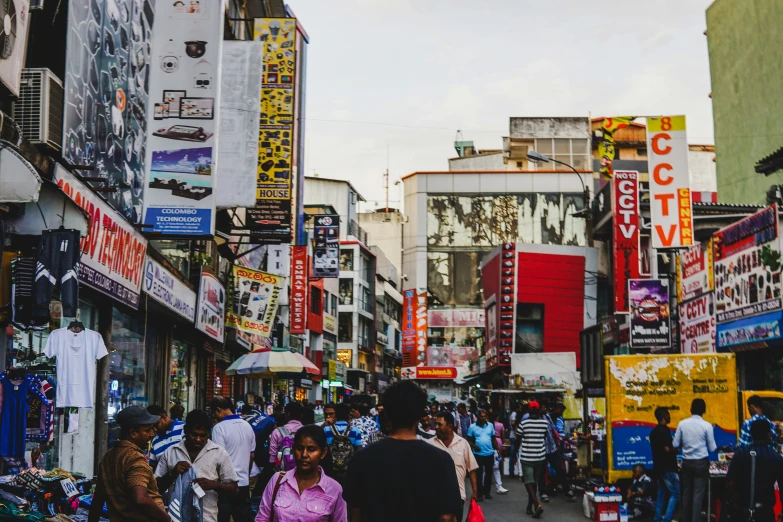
(390, 82)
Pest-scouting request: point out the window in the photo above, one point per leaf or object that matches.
(315, 300)
(334, 304)
(346, 291)
(530, 328)
(367, 300)
(570, 151)
(346, 259)
(367, 268)
(326, 302)
(454, 278)
(642, 152)
(345, 328)
(365, 327)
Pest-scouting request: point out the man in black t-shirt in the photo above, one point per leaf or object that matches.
(664, 456)
(401, 478)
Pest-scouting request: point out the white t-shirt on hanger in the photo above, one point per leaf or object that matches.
(76, 355)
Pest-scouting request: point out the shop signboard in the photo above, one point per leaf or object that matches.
(697, 325)
(456, 318)
(254, 302)
(271, 219)
(751, 332)
(606, 149)
(240, 110)
(650, 321)
(414, 327)
(428, 372)
(464, 358)
(694, 272)
(326, 251)
(341, 371)
(508, 303)
(107, 65)
(541, 371)
(164, 287)
(625, 233)
(113, 253)
(299, 289)
(183, 115)
(670, 193)
(332, 369)
(747, 267)
(491, 315)
(330, 324)
(211, 307)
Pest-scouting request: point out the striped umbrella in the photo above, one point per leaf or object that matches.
(266, 363)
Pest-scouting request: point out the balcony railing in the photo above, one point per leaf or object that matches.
(358, 232)
(367, 305)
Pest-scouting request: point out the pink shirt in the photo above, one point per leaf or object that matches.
(498, 434)
(277, 437)
(319, 503)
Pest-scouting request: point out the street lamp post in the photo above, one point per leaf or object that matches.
(537, 157)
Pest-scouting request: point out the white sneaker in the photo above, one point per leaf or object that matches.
(502, 490)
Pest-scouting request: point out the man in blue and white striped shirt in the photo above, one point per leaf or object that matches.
(756, 409)
(169, 433)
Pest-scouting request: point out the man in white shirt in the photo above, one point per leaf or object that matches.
(459, 450)
(696, 438)
(238, 439)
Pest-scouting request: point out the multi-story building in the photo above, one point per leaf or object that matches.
(385, 227)
(388, 311)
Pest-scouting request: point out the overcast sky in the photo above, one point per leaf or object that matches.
(425, 68)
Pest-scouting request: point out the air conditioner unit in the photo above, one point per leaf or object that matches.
(39, 109)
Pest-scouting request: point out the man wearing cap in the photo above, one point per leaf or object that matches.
(125, 479)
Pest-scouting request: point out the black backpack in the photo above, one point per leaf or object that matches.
(342, 451)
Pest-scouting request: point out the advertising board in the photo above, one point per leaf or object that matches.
(694, 271)
(697, 325)
(299, 290)
(164, 287)
(255, 297)
(326, 247)
(414, 327)
(211, 307)
(625, 232)
(650, 321)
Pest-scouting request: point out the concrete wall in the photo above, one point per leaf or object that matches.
(385, 231)
(549, 127)
(492, 161)
(701, 167)
(746, 67)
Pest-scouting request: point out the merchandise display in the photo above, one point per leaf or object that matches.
(76, 350)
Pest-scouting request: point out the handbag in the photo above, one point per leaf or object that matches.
(274, 497)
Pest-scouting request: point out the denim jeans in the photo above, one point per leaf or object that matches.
(668, 495)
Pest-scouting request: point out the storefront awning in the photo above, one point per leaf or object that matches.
(19, 181)
(50, 209)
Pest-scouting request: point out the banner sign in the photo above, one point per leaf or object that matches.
(414, 327)
(183, 115)
(508, 303)
(697, 325)
(464, 358)
(625, 232)
(326, 261)
(670, 192)
(113, 253)
(161, 285)
(758, 329)
(694, 272)
(606, 145)
(254, 300)
(747, 267)
(650, 321)
(330, 324)
(456, 318)
(271, 219)
(240, 110)
(299, 290)
(425, 372)
(211, 307)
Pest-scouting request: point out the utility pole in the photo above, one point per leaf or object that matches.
(386, 186)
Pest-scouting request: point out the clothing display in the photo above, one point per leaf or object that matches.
(24, 314)
(15, 407)
(40, 417)
(58, 260)
(76, 354)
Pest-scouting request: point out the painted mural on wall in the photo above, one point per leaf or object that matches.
(106, 91)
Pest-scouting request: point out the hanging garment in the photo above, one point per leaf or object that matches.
(39, 414)
(184, 504)
(58, 260)
(13, 421)
(22, 303)
(76, 355)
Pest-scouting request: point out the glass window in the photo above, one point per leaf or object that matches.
(579, 147)
(562, 146)
(176, 251)
(326, 302)
(454, 278)
(346, 291)
(315, 300)
(179, 375)
(334, 304)
(530, 328)
(346, 259)
(544, 146)
(367, 268)
(345, 328)
(579, 162)
(563, 158)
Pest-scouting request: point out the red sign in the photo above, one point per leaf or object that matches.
(414, 327)
(299, 290)
(508, 300)
(625, 231)
(456, 318)
(428, 372)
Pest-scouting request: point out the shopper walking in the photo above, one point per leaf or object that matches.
(756, 408)
(263, 426)
(236, 436)
(460, 452)
(755, 492)
(281, 441)
(481, 436)
(169, 433)
(665, 467)
(498, 457)
(464, 420)
(306, 493)
(212, 464)
(555, 458)
(376, 473)
(125, 480)
(532, 433)
(696, 438)
(343, 441)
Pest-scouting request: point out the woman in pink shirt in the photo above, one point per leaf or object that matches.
(304, 494)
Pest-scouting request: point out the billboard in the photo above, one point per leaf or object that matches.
(164, 287)
(414, 327)
(183, 114)
(113, 253)
(271, 219)
(508, 303)
(456, 318)
(650, 321)
(326, 258)
(299, 290)
(606, 151)
(240, 109)
(747, 267)
(255, 297)
(758, 330)
(670, 192)
(625, 232)
(694, 272)
(106, 96)
(211, 312)
(463, 358)
(697, 325)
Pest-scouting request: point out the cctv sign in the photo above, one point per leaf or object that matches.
(625, 230)
(670, 194)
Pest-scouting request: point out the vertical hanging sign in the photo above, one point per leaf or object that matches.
(299, 290)
(670, 192)
(625, 232)
(182, 116)
(326, 253)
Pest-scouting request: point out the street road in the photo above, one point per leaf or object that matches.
(511, 506)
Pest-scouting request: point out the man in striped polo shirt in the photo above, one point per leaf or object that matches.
(531, 434)
(169, 433)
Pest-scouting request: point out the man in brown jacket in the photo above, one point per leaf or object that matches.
(125, 479)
